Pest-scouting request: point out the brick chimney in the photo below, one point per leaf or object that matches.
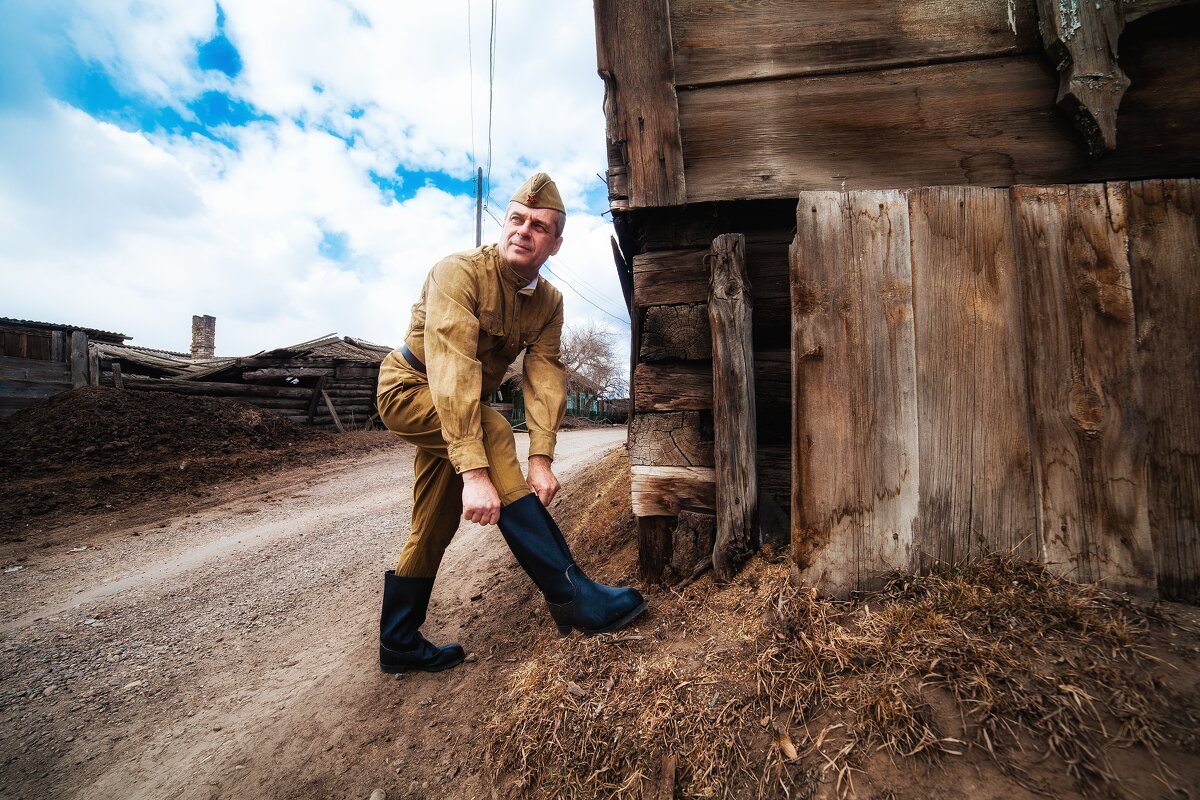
(204, 336)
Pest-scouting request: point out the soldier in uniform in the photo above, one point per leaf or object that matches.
(477, 311)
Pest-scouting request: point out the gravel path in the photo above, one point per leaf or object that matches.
(231, 652)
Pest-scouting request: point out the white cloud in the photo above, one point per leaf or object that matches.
(136, 232)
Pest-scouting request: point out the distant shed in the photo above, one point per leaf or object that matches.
(911, 280)
(40, 359)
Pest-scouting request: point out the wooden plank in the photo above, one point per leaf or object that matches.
(731, 315)
(1087, 410)
(676, 332)
(976, 474)
(670, 276)
(654, 547)
(854, 424)
(93, 367)
(664, 491)
(294, 372)
(31, 389)
(1165, 248)
(988, 123)
(672, 387)
(79, 359)
(332, 411)
(24, 369)
(117, 378)
(633, 54)
(214, 388)
(771, 39)
(678, 439)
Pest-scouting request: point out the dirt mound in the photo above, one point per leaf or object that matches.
(97, 447)
(996, 681)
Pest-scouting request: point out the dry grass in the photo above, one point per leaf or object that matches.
(760, 689)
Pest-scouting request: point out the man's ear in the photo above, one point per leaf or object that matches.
(557, 244)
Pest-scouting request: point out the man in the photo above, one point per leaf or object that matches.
(478, 310)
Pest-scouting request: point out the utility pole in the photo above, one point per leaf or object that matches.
(479, 207)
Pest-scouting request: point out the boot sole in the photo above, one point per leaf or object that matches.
(393, 669)
(565, 630)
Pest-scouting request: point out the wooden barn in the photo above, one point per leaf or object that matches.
(911, 281)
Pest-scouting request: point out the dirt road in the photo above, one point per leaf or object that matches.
(231, 652)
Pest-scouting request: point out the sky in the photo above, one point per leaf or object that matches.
(293, 168)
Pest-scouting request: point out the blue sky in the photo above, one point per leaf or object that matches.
(291, 168)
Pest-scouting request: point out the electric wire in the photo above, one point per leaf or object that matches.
(471, 85)
(491, 97)
(560, 279)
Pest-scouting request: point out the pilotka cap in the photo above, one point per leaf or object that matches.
(539, 192)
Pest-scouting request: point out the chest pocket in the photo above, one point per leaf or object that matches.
(491, 324)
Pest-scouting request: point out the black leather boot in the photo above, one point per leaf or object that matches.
(401, 645)
(575, 601)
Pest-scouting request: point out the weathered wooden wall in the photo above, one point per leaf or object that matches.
(998, 370)
(351, 392)
(766, 99)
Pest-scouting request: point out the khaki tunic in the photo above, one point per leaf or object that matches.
(474, 316)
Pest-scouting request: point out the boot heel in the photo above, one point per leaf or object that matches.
(565, 630)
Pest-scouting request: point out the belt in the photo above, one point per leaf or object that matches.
(412, 360)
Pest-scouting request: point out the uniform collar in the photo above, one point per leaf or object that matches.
(511, 277)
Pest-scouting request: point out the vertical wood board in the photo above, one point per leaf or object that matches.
(633, 52)
(1083, 388)
(730, 313)
(1165, 251)
(855, 429)
(977, 491)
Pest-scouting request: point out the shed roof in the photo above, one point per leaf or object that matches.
(94, 333)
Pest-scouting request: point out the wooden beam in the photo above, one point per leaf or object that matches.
(1087, 408)
(665, 277)
(987, 123)
(678, 439)
(672, 387)
(664, 491)
(730, 314)
(654, 547)
(634, 59)
(676, 332)
(854, 423)
(214, 388)
(332, 411)
(118, 380)
(771, 39)
(1164, 221)
(293, 372)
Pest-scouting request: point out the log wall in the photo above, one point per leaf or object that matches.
(767, 99)
(998, 370)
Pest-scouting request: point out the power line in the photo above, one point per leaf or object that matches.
(491, 94)
(471, 81)
(567, 283)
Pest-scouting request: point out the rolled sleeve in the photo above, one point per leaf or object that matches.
(454, 372)
(545, 386)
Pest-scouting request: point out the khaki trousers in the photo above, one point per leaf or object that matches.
(408, 412)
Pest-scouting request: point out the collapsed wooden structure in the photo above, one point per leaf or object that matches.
(327, 382)
(910, 281)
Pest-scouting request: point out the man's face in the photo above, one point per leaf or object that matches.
(530, 236)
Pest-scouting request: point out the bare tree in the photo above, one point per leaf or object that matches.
(590, 355)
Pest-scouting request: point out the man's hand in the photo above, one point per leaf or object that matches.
(481, 502)
(541, 479)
